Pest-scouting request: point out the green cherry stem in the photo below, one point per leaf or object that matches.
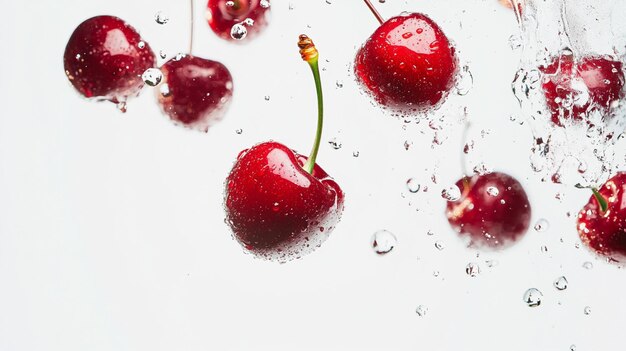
(310, 54)
(601, 200)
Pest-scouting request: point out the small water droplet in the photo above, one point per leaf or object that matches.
(561, 283)
(542, 225)
(239, 131)
(267, 98)
(238, 31)
(421, 310)
(339, 84)
(161, 18)
(141, 44)
(355, 153)
(383, 242)
(588, 265)
(152, 76)
(572, 348)
(164, 90)
(264, 4)
(162, 54)
(335, 144)
(439, 245)
(587, 310)
(472, 269)
(452, 193)
(493, 191)
(532, 297)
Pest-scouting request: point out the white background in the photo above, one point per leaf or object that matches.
(111, 227)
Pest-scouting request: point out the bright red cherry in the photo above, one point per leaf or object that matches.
(275, 207)
(281, 205)
(408, 64)
(602, 222)
(572, 88)
(195, 92)
(223, 15)
(493, 210)
(105, 58)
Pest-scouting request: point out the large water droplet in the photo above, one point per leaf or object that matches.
(238, 31)
(452, 193)
(383, 242)
(532, 297)
(152, 76)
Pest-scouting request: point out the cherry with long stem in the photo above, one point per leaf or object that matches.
(374, 11)
(311, 56)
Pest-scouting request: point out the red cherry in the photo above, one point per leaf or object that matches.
(604, 229)
(224, 14)
(105, 58)
(572, 88)
(275, 207)
(493, 210)
(195, 92)
(408, 64)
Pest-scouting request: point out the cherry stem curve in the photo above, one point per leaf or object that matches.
(374, 11)
(190, 26)
(309, 53)
(601, 200)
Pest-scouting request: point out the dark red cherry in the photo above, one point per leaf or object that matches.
(224, 14)
(572, 88)
(408, 64)
(493, 210)
(604, 230)
(195, 92)
(276, 209)
(105, 58)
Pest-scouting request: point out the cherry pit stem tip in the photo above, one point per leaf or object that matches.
(374, 11)
(309, 53)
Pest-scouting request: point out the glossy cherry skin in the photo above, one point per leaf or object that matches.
(605, 231)
(572, 87)
(222, 17)
(408, 64)
(493, 210)
(105, 58)
(275, 208)
(195, 92)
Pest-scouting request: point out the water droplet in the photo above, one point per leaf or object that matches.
(141, 44)
(472, 269)
(264, 4)
(239, 131)
(339, 84)
(161, 18)
(572, 348)
(355, 153)
(164, 90)
(439, 245)
(544, 249)
(452, 193)
(435, 274)
(542, 225)
(267, 98)
(532, 297)
(162, 54)
(464, 82)
(587, 310)
(335, 144)
(492, 263)
(493, 191)
(421, 310)
(383, 242)
(238, 31)
(561, 283)
(588, 265)
(152, 76)
(515, 41)
(413, 185)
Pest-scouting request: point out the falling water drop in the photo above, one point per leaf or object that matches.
(561, 283)
(383, 242)
(532, 297)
